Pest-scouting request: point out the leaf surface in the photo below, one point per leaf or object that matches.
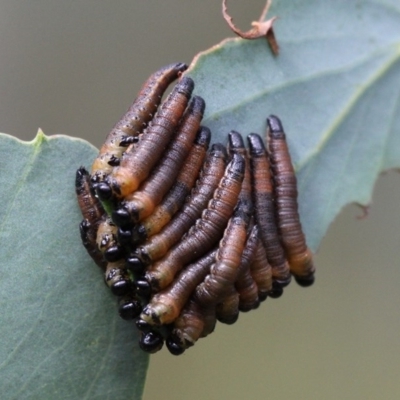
(61, 336)
(335, 85)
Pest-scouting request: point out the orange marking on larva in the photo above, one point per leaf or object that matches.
(285, 191)
(135, 119)
(265, 209)
(165, 306)
(206, 232)
(224, 272)
(175, 198)
(142, 202)
(137, 163)
(158, 245)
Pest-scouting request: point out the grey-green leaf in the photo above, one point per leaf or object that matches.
(61, 336)
(336, 87)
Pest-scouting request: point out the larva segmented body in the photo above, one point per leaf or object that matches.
(92, 212)
(175, 198)
(142, 202)
(245, 284)
(224, 272)
(158, 245)
(227, 311)
(166, 305)
(137, 163)
(143, 175)
(207, 230)
(134, 120)
(265, 210)
(187, 328)
(285, 189)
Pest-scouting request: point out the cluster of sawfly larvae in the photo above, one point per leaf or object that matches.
(189, 233)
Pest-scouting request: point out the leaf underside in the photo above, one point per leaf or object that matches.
(335, 85)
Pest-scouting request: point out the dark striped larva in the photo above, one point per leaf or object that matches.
(158, 245)
(187, 237)
(205, 233)
(166, 305)
(175, 198)
(134, 120)
(137, 163)
(142, 202)
(285, 188)
(265, 210)
(92, 212)
(224, 272)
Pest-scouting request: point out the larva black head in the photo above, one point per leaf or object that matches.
(121, 287)
(124, 236)
(143, 326)
(129, 308)
(198, 105)
(113, 253)
(151, 342)
(179, 67)
(122, 217)
(275, 129)
(305, 281)
(143, 287)
(135, 264)
(229, 320)
(81, 177)
(114, 161)
(256, 144)
(235, 140)
(262, 296)
(203, 136)
(139, 234)
(174, 346)
(103, 191)
(126, 141)
(219, 149)
(237, 165)
(185, 86)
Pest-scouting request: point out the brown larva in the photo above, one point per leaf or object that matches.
(187, 328)
(263, 197)
(158, 245)
(134, 120)
(142, 202)
(165, 306)
(285, 188)
(227, 311)
(92, 213)
(175, 198)
(205, 233)
(137, 162)
(224, 272)
(245, 284)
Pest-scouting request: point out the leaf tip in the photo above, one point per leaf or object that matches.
(40, 138)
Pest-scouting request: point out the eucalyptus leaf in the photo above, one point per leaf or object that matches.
(335, 85)
(61, 336)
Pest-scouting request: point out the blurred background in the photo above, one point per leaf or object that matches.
(73, 67)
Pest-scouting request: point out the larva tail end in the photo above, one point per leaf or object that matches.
(235, 140)
(256, 144)
(275, 129)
